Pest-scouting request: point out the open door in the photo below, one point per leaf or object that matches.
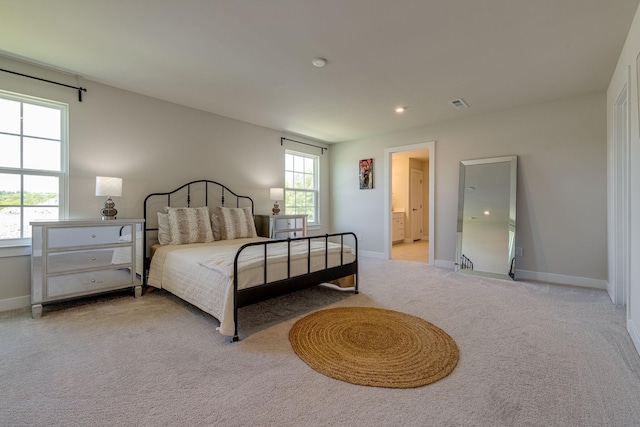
(416, 210)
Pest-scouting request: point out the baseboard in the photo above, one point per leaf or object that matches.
(561, 279)
(15, 303)
(370, 254)
(634, 333)
(610, 291)
(449, 265)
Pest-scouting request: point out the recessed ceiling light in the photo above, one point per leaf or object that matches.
(319, 62)
(487, 213)
(401, 109)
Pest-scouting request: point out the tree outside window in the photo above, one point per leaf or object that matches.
(32, 166)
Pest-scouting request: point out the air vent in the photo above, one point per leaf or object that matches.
(459, 104)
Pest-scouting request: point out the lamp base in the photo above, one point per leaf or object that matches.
(109, 211)
(276, 209)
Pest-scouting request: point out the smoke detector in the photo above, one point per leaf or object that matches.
(459, 104)
(319, 62)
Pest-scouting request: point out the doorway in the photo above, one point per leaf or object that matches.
(409, 207)
(619, 202)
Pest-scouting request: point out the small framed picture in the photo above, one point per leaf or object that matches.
(366, 174)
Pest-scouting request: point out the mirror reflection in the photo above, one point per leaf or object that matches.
(487, 217)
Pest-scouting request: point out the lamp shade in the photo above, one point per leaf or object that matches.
(276, 193)
(108, 186)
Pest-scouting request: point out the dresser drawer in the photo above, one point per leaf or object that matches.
(286, 223)
(397, 226)
(288, 234)
(68, 285)
(60, 262)
(64, 237)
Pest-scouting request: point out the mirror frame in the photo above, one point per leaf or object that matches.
(459, 265)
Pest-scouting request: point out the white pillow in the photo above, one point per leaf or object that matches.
(164, 234)
(236, 223)
(190, 225)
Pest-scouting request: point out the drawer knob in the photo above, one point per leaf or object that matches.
(93, 280)
(93, 258)
(93, 236)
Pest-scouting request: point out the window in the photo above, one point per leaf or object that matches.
(301, 185)
(33, 166)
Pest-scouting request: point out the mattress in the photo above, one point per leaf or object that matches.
(202, 273)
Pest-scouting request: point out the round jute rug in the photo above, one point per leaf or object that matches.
(374, 347)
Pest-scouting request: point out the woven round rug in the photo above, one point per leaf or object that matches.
(374, 347)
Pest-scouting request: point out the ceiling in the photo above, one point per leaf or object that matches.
(251, 59)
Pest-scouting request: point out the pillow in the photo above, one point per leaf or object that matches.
(164, 235)
(215, 227)
(236, 223)
(190, 225)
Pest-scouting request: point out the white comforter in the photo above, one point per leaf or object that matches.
(202, 273)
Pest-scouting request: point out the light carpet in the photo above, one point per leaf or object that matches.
(530, 355)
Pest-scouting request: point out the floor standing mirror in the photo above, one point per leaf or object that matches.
(487, 217)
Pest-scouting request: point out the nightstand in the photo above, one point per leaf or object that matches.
(73, 258)
(282, 226)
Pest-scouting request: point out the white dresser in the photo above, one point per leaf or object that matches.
(72, 258)
(397, 231)
(285, 226)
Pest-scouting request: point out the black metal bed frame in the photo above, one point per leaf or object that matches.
(248, 296)
(267, 290)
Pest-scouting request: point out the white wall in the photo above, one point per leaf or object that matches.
(154, 146)
(561, 191)
(627, 69)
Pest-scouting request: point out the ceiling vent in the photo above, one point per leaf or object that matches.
(459, 104)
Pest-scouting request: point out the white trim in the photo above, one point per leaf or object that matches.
(557, 279)
(13, 251)
(618, 196)
(62, 174)
(370, 254)
(316, 180)
(442, 263)
(15, 303)
(561, 279)
(388, 152)
(634, 333)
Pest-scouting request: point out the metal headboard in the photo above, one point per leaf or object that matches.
(197, 193)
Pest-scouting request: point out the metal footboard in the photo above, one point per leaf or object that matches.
(267, 290)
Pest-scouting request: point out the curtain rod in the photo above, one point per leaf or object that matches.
(79, 89)
(282, 139)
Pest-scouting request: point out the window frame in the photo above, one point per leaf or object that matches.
(15, 246)
(315, 190)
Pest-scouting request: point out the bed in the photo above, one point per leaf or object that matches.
(200, 244)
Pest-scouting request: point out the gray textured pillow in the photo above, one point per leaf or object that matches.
(215, 227)
(236, 223)
(190, 225)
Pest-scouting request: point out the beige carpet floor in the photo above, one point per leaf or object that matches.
(530, 355)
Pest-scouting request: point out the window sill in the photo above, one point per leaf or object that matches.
(14, 251)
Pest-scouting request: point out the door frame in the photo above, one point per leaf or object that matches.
(388, 152)
(619, 199)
